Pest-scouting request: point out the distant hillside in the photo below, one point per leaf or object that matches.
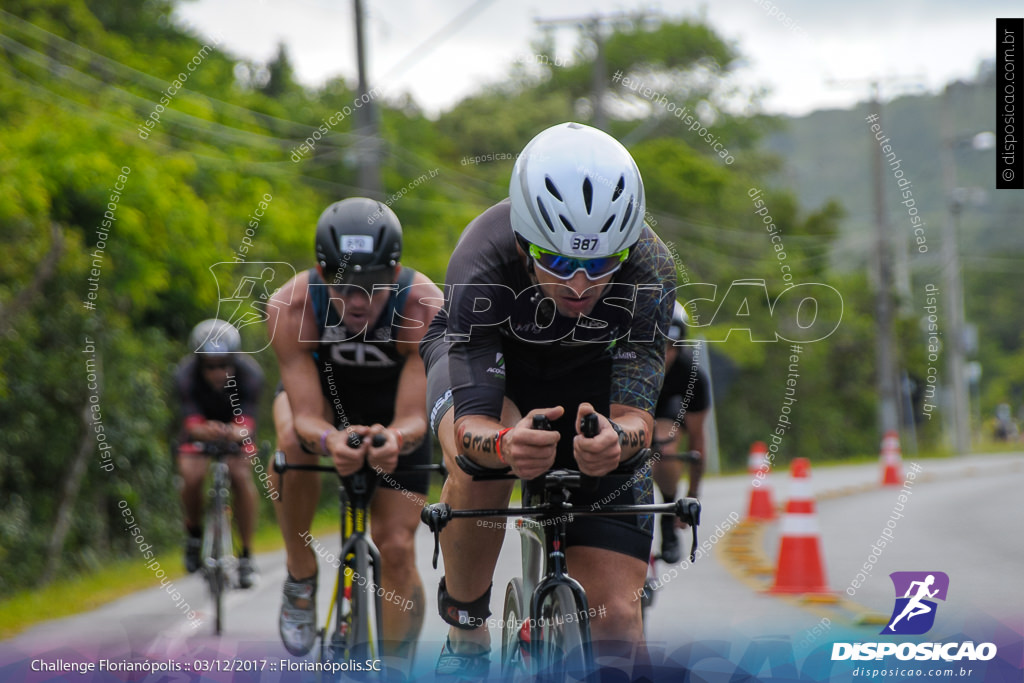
(827, 154)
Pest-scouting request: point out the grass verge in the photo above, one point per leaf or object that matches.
(84, 592)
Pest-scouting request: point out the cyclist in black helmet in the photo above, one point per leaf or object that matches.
(212, 381)
(682, 408)
(345, 333)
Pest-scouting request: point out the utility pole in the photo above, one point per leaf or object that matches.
(600, 76)
(888, 392)
(593, 26)
(952, 287)
(368, 152)
(887, 378)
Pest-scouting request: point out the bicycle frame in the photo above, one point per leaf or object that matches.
(355, 492)
(219, 564)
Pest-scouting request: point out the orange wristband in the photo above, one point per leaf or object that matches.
(401, 439)
(501, 433)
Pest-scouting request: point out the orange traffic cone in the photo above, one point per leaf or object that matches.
(800, 569)
(892, 460)
(761, 506)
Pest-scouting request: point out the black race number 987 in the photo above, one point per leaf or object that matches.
(584, 243)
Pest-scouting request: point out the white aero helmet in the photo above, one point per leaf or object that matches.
(576, 191)
(215, 337)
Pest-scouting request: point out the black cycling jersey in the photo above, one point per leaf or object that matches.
(199, 400)
(685, 389)
(359, 371)
(498, 337)
(494, 317)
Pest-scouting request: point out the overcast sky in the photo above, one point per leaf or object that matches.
(925, 42)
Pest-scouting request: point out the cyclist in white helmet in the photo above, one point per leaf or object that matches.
(212, 381)
(578, 289)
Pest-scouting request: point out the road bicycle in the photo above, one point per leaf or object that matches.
(219, 563)
(545, 628)
(356, 602)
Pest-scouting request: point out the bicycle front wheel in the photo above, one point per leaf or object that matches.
(215, 566)
(362, 643)
(563, 639)
(514, 661)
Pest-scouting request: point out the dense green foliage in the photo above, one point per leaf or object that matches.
(76, 88)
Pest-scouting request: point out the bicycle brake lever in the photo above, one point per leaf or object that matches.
(693, 544)
(688, 510)
(436, 517)
(280, 466)
(280, 463)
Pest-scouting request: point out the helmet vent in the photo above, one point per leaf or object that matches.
(626, 216)
(588, 194)
(544, 215)
(619, 188)
(551, 188)
(566, 223)
(608, 223)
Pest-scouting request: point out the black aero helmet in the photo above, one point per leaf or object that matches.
(357, 236)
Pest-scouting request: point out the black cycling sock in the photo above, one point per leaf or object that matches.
(294, 580)
(668, 525)
(245, 553)
(194, 531)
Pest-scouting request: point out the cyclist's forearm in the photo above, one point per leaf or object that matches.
(242, 428)
(310, 430)
(695, 431)
(477, 437)
(696, 472)
(636, 430)
(412, 429)
(204, 431)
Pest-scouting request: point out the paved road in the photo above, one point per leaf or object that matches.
(964, 517)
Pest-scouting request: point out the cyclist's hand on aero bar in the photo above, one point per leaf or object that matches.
(531, 452)
(348, 459)
(383, 458)
(598, 455)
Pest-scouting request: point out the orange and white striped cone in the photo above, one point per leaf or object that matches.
(892, 460)
(761, 506)
(800, 568)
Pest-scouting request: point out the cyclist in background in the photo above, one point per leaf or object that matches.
(213, 381)
(554, 299)
(682, 408)
(346, 334)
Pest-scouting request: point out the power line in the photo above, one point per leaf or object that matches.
(70, 47)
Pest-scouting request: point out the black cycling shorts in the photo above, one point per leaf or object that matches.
(417, 482)
(630, 535)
